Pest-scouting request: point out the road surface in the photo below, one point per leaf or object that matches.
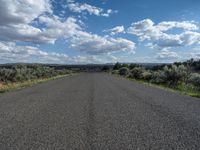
(96, 111)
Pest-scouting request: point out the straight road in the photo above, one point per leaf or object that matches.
(96, 111)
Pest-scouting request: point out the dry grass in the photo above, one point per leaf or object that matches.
(1, 85)
(5, 87)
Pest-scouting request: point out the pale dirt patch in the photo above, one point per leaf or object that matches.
(1, 85)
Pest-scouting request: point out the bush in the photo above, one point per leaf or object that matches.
(22, 73)
(136, 73)
(157, 77)
(124, 71)
(146, 75)
(105, 68)
(117, 66)
(115, 72)
(5, 75)
(132, 66)
(195, 80)
(174, 74)
(124, 65)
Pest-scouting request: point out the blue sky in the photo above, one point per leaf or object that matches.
(99, 31)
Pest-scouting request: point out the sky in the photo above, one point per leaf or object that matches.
(99, 31)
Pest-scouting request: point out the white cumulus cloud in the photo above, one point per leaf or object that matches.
(20, 17)
(22, 11)
(10, 52)
(116, 30)
(158, 36)
(86, 8)
(167, 55)
(94, 44)
(81, 40)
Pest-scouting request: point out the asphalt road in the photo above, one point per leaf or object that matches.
(96, 111)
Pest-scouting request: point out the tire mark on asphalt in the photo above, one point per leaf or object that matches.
(91, 119)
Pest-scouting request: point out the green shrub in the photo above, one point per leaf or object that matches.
(132, 66)
(117, 66)
(105, 68)
(124, 71)
(157, 77)
(124, 65)
(115, 72)
(22, 73)
(136, 73)
(146, 75)
(195, 80)
(174, 74)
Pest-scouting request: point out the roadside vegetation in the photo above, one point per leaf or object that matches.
(180, 76)
(19, 76)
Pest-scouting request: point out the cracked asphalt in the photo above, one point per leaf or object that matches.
(97, 111)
